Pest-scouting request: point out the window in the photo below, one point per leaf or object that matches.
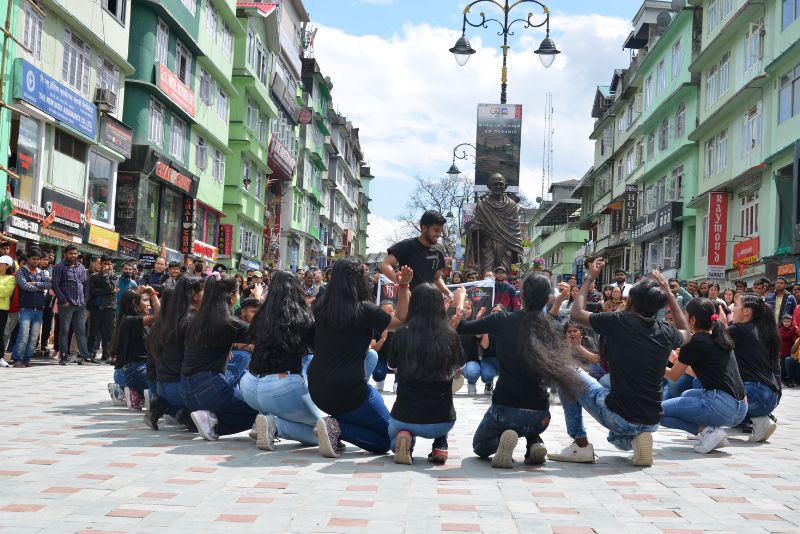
(791, 12)
(675, 185)
(722, 150)
(101, 176)
(248, 240)
(751, 129)
(259, 183)
(680, 121)
(677, 59)
(753, 44)
(177, 141)
(183, 63)
(663, 130)
(257, 57)
(651, 146)
(207, 224)
(629, 163)
(191, 5)
(156, 134)
(262, 128)
(716, 153)
(251, 47)
(201, 154)
(650, 199)
(107, 75)
(32, 36)
(162, 42)
(206, 87)
(749, 224)
(227, 41)
(250, 121)
(648, 92)
(724, 73)
(704, 237)
(622, 125)
(218, 169)
(619, 170)
(211, 20)
(711, 86)
(69, 164)
(116, 8)
(603, 229)
(222, 105)
(661, 78)
(639, 153)
(246, 180)
(661, 191)
(789, 96)
(171, 218)
(716, 12)
(75, 67)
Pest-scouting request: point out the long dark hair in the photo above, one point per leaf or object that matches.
(128, 307)
(340, 306)
(281, 326)
(428, 349)
(646, 297)
(701, 309)
(213, 325)
(763, 320)
(176, 310)
(541, 344)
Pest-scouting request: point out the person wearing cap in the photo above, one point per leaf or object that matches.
(504, 293)
(257, 280)
(5, 248)
(7, 285)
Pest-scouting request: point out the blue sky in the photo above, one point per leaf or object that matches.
(394, 78)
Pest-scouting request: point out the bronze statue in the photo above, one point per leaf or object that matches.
(494, 238)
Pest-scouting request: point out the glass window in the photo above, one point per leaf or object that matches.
(753, 44)
(661, 78)
(651, 146)
(789, 95)
(222, 105)
(211, 20)
(218, 169)
(677, 59)
(206, 87)
(116, 8)
(663, 130)
(751, 129)
(101, 176)
(162, 42)
(151, 221)
(32, 34)
(191, 5)
(749, 222)
(648, 92)
(250, 114)
(791, 12)
(178, 139)
(227, 41)
(107, 74)
(69, 164)
(156, 134)
(680, 121)
(171, 219)
(183, 63)
(201, 154)
(75, 66)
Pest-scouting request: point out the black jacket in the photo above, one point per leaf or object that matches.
(155, 280)
(101, 291)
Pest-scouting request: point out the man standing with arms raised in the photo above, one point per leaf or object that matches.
(71, 286)
(419, 254)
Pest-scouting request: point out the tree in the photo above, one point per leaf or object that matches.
(445, 195)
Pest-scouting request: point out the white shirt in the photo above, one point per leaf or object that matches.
(625, 288)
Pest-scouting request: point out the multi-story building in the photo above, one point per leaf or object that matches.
(9, 22)
(67, 141)
(344, 177)
(365, 177)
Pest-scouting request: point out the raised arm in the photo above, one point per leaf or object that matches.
(439, 281)
(578, 313)
(403, 296)
(387, 268)
(678, 318)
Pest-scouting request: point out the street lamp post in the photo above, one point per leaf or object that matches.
(547, 50)
(454, 170)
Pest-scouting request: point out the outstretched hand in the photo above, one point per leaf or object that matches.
(659, 278)
(405, 275)
(596, 267)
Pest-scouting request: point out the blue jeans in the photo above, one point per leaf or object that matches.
(429, 430)
(367, 426)
(210, 391)
(593, 398)
(370, 362)
(30, 325)
(380, 372)
(499, 418)
(119, 377)
(761, 400)
(237, 366)
(674, 388)
(697, 408)
(170, 392)
(486, 369)
(136, 376)
(75, 317)
(286, 397)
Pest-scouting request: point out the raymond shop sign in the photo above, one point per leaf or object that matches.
(717, 228)
(747, 252)
(225, 240)
(630, 208)
(188, 222)
(64, 212)
(499, 136)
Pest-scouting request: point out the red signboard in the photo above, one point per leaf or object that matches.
(204, 250)
(225, 240)
(305, 116)
(168, 174)
(717, 228)
(175, 89)
(746, 252)
(188, 219)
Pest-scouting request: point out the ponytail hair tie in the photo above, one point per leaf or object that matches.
(714, 317)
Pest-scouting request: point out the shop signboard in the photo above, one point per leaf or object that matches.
(497, 145)
(127, 248)
(175, 89)
(305, 115)
(631, 207)
(787, 269)
(280, 160)
(116, 136)
(187, 226)
(23, 227)
(204, 250)
(28, 210)
(174, 255)
(148, 260)
(717, 230)
(747, 252)
(174, 177)
(102, 237)
(225, 240)
(56, 99)
(659, 222)
(68, 214)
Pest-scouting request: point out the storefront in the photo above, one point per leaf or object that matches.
(206, 233)
(155, 203)
(659, 237)
(65, 220)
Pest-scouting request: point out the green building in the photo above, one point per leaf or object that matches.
(8, 20)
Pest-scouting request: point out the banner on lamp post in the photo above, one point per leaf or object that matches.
(497, 146)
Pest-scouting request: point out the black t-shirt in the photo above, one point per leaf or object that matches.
(383, 352)
(425, 261)
(131, 347)
(714, 367)
(469, 348)
(637, 351)
(212, 359)
(419, 401)
(270, 360)
(168, 366)
(752, 355)
(518, 386)
(336, 374)
(491, 349)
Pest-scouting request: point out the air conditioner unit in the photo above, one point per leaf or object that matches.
(106, 99)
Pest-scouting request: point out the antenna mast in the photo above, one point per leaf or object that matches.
(547, 144)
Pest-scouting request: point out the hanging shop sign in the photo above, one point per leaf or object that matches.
(23, 227)
(175, 89)
(188, 225)
(787, 269)
(102, 237)
(717, 232)
(64, 213)
(747, 252)
(661, 221)
(148, 260)
(225, 241)
(280, 160)
(56, 99)
(630, 207)
(174, 177)
(305, 115)
(204, 250)
(127, 248)
(174, 255)
(28, 210)
(116, 136)
(498, 141)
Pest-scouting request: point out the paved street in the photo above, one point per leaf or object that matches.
(72, 462)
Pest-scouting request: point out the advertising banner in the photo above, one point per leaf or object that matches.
(188, 220)
(480, 292)
(103, 238)
(116, 136)
(717, 231)
(499, 137)
(64, 213)
(747, 252)
(225, 240)
(176, 90)
(659, 222)
(631, 207)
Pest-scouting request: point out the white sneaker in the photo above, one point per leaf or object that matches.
(266, 430)
(117, 394)
(147, 400)
(574, 453)
(170, 421)
(472, 389)
(709, 439)
(642, 450)
(503, 457)
(128, 397)
(394, 387)
(3, 362)
(380, 385)
(206, 423)
(693, 437)
(253, 434)
(763, 428)
(537, 453)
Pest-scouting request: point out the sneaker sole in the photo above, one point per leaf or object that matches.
(643, 450)
(262, 440)
(321, 430)
(402, 456)
(503, 458)
(538, 457)
(767, 433)
(200, 429)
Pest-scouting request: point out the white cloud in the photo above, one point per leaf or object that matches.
(382, 233)
(412, 102)
(377, 2)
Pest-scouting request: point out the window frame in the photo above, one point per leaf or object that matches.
(162, 42)
(183, 63)
(677, 59)
(119, 13)
(177, 143)
(76, 62)
(33, 29)
(156, 136)
(201, 153)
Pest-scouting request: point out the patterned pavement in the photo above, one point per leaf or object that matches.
(72, 462)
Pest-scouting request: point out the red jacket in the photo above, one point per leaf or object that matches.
(788, 337)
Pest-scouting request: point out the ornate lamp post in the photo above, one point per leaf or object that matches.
(547, 49)
(453, 170)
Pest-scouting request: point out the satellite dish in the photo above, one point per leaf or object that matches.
(678, 5)
(662, 21)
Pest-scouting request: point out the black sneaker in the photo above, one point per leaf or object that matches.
(184, 418)
(488, 388)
